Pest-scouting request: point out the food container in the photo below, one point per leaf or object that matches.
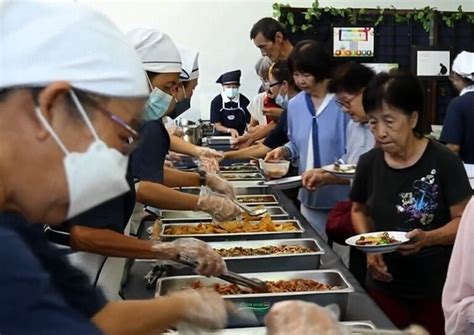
(260, 303)
(236, 236)
(274, 169)
(257, 199)
(218, 140)
(270, 262)
(170, 216)
(239, 176)
(192, 134)
(239, 189)
(239, 169)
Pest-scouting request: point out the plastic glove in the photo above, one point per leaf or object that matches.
(208, 260)
(277, 154)
(204, 309)
(220, 208)
(300, 317)
(208, 153)
(210, 165)
(217, 184)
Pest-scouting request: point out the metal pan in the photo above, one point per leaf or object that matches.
(270, 262)
(170, 216)
(239, 176)
(236, 236)
(260, 303)
(257, 199)
(239, 169)
(253, 189)
(218, 140)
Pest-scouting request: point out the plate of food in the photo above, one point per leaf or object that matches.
(378, 242)
(341, 170)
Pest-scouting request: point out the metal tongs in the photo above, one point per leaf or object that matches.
(232, 277)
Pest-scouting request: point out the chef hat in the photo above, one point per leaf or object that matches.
(190, 69)
(232, 77)
(41, 43)
(157, 50)
(464, 65)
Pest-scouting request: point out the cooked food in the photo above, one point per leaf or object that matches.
(237, 168)
(280, 286)
(266, 250)
(380, 239)
(231, 176)
(266, 224)
(255, 199)
(347, 168)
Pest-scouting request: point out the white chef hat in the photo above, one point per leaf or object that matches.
(42, 42)
(190, 69)
(464, 64)
(157, 50)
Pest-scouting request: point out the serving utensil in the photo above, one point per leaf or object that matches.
(257, 211)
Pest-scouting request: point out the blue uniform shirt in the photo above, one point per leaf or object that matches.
(40, 292)
(458, 126)
(332, 123)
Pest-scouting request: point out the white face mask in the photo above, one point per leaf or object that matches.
(94, 176)
(231, 92)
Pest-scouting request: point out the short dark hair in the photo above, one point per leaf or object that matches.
(4, 92)
(309, 56)
(280, 70)
(398, 89)
(351, 77)
(268, 27)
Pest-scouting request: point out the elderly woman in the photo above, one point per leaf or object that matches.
(408, 184)
(64, 146)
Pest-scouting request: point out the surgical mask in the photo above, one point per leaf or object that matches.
(282, 100)
(181, 107)
(94, 176)
(231, 92)
(157, 104)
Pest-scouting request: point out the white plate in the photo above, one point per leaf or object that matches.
(284, 183)
(380, 249)
(339, 173)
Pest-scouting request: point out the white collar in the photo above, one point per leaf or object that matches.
(466, 90)
(225, 99)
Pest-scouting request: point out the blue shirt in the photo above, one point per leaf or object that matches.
(332, 123)
(359, 141)
(40, 292)
(458, 126)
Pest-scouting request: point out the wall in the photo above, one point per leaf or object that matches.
(220, 30)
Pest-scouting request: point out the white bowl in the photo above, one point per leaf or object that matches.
(274, 169)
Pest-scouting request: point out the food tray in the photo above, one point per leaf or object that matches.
(260, 303)
(239, 169)
(253, 189)
(239, 176)
(267, 263)
(248, 184)
(257, 199)
(170, 216)
(218, 140)
(236, 236)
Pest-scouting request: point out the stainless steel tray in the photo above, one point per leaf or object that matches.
(248, 184)
(284, 183)
(253, 188)
(239, 169)
(270, 262)
(218, 140)
(240, 176)
(171, 216)
(236, 236)
(260, 303)
(264, 199)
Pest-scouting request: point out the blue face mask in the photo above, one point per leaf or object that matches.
(181, 107)
(282, 101)
(231, 92)
(157, 104)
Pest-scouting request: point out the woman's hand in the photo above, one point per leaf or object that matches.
(234, 133)
(377, 268)
(418, 239)
(273, 112)
(314, 178)
(277, 154)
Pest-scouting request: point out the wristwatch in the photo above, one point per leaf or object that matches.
(202, 176)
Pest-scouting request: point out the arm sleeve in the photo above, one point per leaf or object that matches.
(216, 105)
(452, 132)
(458, 293)
(244, 103)
(30, 303)
(360, 186)
(291, 145)
(277, 136)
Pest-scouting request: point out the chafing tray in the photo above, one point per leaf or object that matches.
(260, 303)
(260, 199)
(270, 262)
(248, 183)
(218, 140)
(236, 236)
(239, 169)
(170, 216)
(253, 188)
(240, 176)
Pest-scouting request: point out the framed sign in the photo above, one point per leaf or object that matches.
(431, 62)
(353, 42)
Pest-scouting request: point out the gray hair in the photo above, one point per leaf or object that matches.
(263, 65)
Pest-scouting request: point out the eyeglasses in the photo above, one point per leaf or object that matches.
(346, 103)
(274, 84)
